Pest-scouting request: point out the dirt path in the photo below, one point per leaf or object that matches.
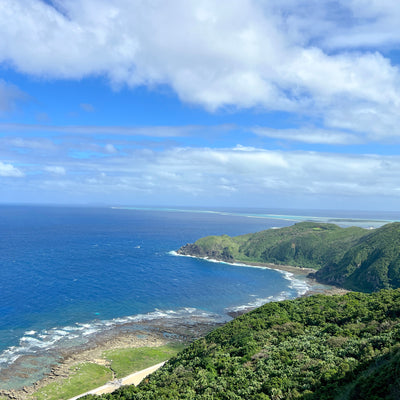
(132, 379)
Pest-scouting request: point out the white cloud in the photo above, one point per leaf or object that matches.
(151, 131)
(247, 53)
(35, 144)
(109, 148)
(309, 135)
(256, 176)
(374, 24)
(8, 170)
(253, 171)
(57, 170)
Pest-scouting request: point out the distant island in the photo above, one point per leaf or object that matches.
(353, 258)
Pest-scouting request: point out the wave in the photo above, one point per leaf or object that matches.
(298, 284)
(57, 339)
(258, 302)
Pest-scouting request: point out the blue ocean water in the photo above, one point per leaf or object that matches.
(68, 273)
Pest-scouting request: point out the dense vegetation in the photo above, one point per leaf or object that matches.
(354, 258)
(373, 263)
(319, 347)
(305, 244)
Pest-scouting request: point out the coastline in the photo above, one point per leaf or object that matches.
(299, 273)
(93, 354)
(159, 333)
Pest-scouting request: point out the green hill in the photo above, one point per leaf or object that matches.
(373, 263)
(305, 244)
(354, 258)
(315, 348)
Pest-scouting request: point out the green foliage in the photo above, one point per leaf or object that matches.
(305, 244)
(320, 347)
(373, 263)
(355, 258)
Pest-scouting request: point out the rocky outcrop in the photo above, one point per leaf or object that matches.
(193, 250)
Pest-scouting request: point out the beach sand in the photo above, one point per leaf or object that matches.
(304, 272)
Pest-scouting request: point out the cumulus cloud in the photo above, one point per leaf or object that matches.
(374, 24)
(8, 170)
(247, 53)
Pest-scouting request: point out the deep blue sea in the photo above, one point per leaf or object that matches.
(69, 273)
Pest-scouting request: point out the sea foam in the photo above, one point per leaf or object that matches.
(63, 338)
(298, 283)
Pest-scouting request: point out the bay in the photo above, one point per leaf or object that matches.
(67, 273)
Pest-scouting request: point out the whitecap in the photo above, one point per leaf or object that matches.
(69, 336)
(258, 302)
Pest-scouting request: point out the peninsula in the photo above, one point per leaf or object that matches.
(353, 258)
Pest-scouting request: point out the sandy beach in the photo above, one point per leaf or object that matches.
(303, 272)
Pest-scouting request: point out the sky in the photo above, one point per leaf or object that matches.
(235, 103)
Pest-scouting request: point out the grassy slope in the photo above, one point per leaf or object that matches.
(320, 347)
(125, 361)
(87, 376)
(84, 377)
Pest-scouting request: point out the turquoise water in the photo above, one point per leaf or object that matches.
(67, 274)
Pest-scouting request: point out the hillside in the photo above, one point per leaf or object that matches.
(305, 244)
(373, 263)
(353, 258)
(319, 347)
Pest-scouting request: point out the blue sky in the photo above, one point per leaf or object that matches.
(201, 103)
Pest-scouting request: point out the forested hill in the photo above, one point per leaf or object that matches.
(354, 258)
(314, 348)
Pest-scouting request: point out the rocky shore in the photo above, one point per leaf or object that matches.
(152, 334)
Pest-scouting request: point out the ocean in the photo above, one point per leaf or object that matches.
(69, 273)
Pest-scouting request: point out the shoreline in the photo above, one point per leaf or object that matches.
(93, 354)
(302, 272)
(152, 334)
(157, 333)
